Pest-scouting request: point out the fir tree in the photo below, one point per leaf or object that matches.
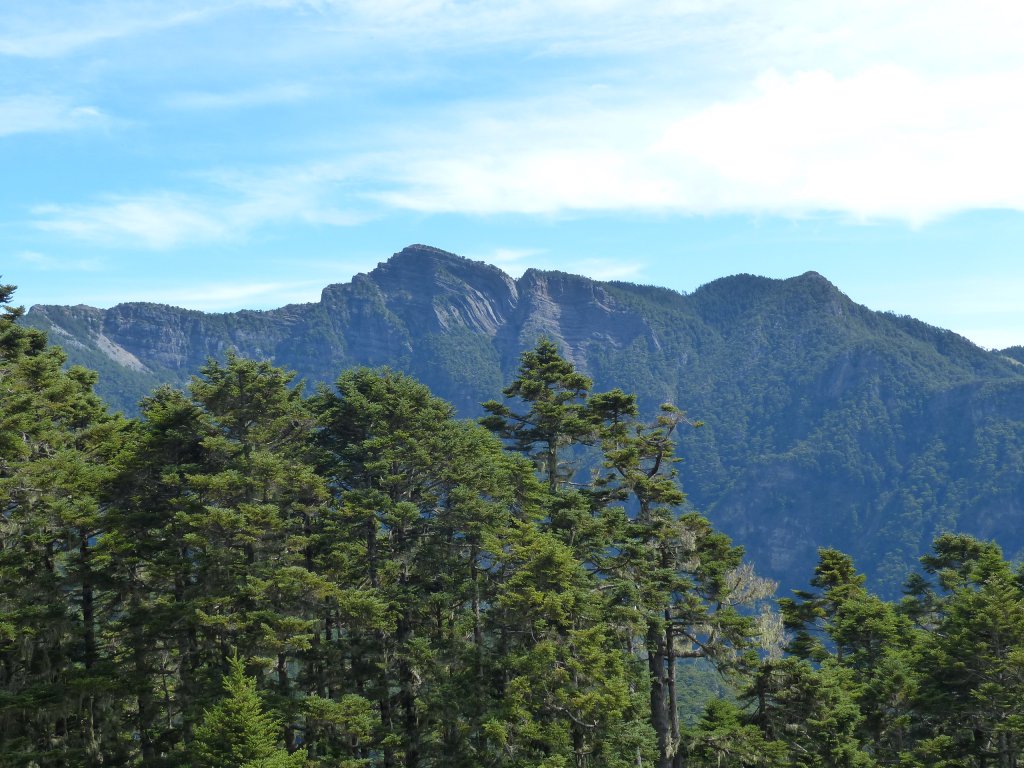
(555, 416)
(238, 732)
(59, 698)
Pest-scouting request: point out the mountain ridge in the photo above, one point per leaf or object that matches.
(828, 424)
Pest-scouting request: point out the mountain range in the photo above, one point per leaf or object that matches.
(825, 423)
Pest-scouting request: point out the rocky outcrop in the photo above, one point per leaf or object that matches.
(826, 424)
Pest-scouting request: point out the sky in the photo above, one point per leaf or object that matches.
(231, 154)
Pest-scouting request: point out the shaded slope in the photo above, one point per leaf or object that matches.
(826, 423)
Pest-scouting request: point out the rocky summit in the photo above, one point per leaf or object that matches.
(825, 423)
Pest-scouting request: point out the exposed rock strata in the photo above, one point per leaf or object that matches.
(827, 424)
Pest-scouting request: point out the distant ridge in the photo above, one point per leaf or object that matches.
(828, 424)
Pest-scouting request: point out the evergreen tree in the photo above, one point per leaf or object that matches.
(59, 696)
(422, 508)
(846, 625)
(147, 554)
(972, 658)
(555, 415)
(238, 732)
(667, 577)
(567, 692)
(258, 500)
(812, 711)
(723, 739)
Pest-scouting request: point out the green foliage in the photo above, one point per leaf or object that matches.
(554, 418)
(672, 585)
(724, 739)
(408, 591)
(813, 711)
(971, 663)
(903, 431)
(238, 732)
(59, 698)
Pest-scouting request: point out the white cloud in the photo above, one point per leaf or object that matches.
(283, 93)
(874, 109)
(161, 220)
(217, 296)
(511, 255)
(234, 206)
(886, 142)
(515, 261)
(883, 143)
(509, 260)
(34, 114)
(740, 35)
(947, 35)
(46, 263)
(42, 30)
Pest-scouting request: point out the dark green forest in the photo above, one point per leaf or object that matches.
(250, 575)
(825, 423)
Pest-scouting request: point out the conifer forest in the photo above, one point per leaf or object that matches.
(250, 575)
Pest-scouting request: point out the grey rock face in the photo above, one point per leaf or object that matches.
(827, 424)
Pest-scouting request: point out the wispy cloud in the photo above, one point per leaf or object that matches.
(282, 93)
(738, 34)
(229, 209)
(50, 30)
(34, 114)
(161, 220)
(513, 261)
(799, 106)
(46, 263)
(218, 296)
(886, 142)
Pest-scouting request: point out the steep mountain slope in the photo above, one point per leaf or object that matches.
(827, 424)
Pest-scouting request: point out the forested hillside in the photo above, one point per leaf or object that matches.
(251, 575)
(826, 424)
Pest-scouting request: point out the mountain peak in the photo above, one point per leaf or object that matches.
(820, 412)
(420, 251)
(421, 262)
(815, 278)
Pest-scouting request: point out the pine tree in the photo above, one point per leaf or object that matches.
(555, 417)
(255, 502)
(422, 504)
(971, 664)
(669, 583)
(845, 624)
(238, 732)
(813, 711)
(60, 697)
(723, 739)
(147, 554)
(680, 583)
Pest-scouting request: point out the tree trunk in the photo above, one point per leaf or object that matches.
(661, 718)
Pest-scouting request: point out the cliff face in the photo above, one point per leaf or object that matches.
(826, 424)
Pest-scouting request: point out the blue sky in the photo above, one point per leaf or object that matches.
(245, 153)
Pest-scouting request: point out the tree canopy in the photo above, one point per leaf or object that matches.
(247, 576)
